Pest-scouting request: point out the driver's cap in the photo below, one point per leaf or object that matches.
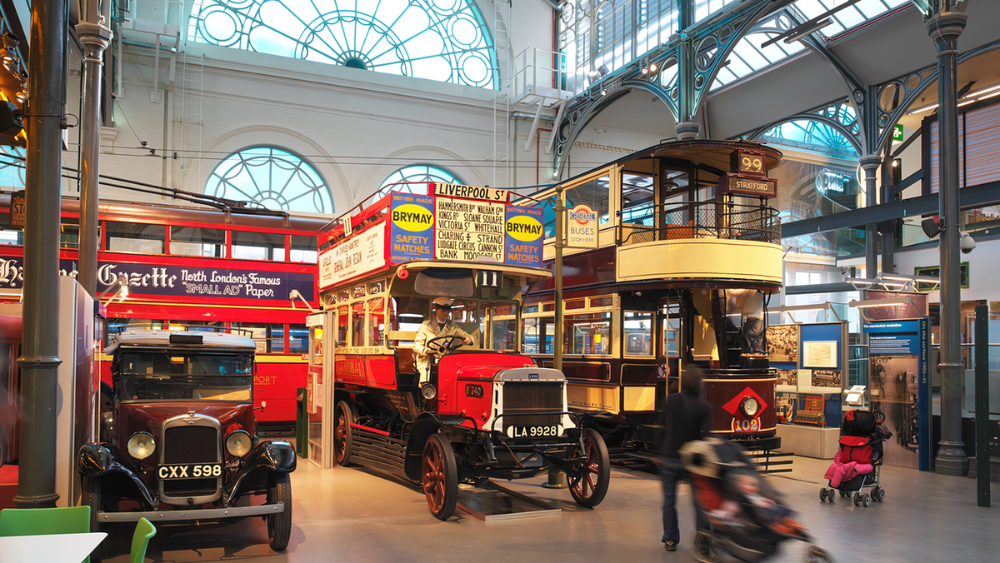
(443, 302)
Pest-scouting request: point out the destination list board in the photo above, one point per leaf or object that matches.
(467, 230)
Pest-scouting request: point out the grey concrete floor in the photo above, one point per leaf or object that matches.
(347, 514)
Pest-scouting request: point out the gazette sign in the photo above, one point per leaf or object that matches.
(176, 281)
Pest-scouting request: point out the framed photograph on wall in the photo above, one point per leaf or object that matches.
(819, 354)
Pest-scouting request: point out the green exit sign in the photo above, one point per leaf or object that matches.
(897, 133)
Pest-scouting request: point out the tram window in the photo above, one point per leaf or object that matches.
(269, 338)
(69, 233)
(298, 339)
(407, 315)
(538, 335)
(464, 312)
(638, 333)
(548, 206)
(196, 241)
(258, 246)
(594, 193)
(343, 320)
(376, 320)
(200, 326)
(6, 351)
(503, 325)
(136, 237)
(12, 237)
(303, 249)
(638, 200)
(588, 334)
(602, 301)
(575, 304)
(358, 324)
(528, 309)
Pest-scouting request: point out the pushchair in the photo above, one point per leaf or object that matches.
(858, 463)
(745, 517)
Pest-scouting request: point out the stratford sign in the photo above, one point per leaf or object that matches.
(178, 281)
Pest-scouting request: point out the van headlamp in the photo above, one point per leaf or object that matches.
(239, 443)
(141, 445)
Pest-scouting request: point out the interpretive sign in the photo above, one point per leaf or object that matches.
(581, 227)
(411, 235)
(469, 230)
(523, 236)
(356, 256)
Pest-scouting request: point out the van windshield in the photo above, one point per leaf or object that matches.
(167, 376)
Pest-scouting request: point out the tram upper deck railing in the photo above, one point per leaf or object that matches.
(699, 220)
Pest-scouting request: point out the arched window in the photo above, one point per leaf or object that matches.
(417, 173)
(273, 178)
(813, 135)
(443, 40)
(12, 167)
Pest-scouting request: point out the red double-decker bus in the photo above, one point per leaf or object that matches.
(198, 268)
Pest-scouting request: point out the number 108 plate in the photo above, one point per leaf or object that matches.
(189, 471)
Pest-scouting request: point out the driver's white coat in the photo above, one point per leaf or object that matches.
(429, 330)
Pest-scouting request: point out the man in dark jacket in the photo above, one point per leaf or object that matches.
(687, 418)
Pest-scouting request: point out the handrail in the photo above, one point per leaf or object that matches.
(699, 220)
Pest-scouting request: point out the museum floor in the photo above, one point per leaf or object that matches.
(346, 514)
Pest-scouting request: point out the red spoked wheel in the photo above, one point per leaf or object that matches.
(343, 439)
(440, 477)
(589, 481)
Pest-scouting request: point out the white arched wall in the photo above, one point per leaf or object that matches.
(194, 178)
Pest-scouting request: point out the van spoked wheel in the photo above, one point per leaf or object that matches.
(440, 477)
(343, 438)
(589, 481)
(706, 548)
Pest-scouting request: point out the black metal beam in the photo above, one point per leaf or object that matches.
(976, 196)
(819, 288)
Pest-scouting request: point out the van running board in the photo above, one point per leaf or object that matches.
(489, 502)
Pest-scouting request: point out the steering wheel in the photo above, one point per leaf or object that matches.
(447, 343)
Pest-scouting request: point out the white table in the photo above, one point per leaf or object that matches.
(55, 548)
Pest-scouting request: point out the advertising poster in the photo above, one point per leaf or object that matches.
(467, 230)
(356, 256)
(411, 234)
(898, 385)
(523, 236)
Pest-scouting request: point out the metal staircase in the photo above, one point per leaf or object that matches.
(501, 95)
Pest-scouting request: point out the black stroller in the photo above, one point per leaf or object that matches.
(858, 464)
(746, 518)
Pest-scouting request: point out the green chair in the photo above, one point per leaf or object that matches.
(41, 521)
(144, 530)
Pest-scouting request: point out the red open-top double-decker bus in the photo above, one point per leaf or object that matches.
(475, 409)
(199, 268)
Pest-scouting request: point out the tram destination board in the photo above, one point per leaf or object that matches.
(738, 184)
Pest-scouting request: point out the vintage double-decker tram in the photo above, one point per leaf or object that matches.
(200, 269)
(685, 254)
(481, 411)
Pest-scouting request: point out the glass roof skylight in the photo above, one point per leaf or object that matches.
(750, 57)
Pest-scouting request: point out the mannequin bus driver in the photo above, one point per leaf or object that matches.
(439, 325)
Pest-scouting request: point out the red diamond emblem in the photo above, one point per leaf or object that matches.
(732, 407)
